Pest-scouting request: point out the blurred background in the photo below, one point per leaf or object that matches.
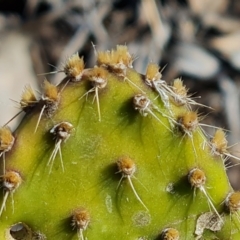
(197, 40)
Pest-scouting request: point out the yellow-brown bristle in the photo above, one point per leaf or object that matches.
(233, 201)
(11, 180)
(65, 126)
(170, 234)
(126, 166)
(62, 130)
(141, 102)
(28, 98)
(6, 139)
(121, 55)
(189, 121)
(103, 58)
(115, 57)
(179, 88)
(196, 178)
(80, 219)
(219, 142)
(98, 77)
(98, 72)
(152, 72)
(50, 91)
(74, 67)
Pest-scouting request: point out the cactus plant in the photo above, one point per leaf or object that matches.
(110, 153)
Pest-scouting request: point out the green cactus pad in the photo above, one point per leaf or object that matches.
(112, 162)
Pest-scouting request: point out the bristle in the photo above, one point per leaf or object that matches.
(153, 78)
(80, 219)
(141, 103)
(188, 121)
(11, 180)
(50, 91)
(74, 67)
(28, 101)
(170, 234)
(196, 178)
(152, 72)
(98, 72)
(126, 166)
(103, 58)
(232, 202)
(121, 55)
(179, 95)
(6, 139)
(179, 88)
(117, 60)
(62, 130)
(219, 143)
(50, 99)
(145, 107)
(98, 77)
(28, 98)
(6, 143)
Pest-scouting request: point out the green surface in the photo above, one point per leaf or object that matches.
(91, 180)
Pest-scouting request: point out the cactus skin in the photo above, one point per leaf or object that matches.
(95, 196)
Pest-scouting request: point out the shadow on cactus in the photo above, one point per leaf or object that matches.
(113, 154)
